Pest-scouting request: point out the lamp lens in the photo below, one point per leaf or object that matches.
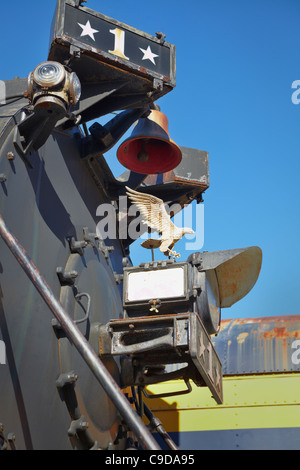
(49, 74)
(75, 87)
(157, 284)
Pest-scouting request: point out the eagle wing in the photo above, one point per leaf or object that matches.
(153, 211)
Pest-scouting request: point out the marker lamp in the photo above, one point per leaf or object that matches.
(52, 81)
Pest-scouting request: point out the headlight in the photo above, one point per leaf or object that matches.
(165, 285)
(205, 283)
(155, 284)
(49, 74)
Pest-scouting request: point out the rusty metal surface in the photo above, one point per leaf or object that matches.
(159, 341)
(259, 345)
(192, 171)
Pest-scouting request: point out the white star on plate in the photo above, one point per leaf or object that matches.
(148, 54)
(87, 30)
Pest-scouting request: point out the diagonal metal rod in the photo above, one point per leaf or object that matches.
(154, 422)
(108, 383)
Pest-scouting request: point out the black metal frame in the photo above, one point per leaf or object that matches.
(143, 305)
(58, 36)
(145, 343)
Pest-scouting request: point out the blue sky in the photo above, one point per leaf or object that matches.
(236, 62)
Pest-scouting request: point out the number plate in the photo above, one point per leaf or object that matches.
(114, 42)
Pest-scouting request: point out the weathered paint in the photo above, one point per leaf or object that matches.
(258, 345)
(259, 412)
(260, 407)
(250, 402)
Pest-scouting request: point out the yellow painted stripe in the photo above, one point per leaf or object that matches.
(264, 401)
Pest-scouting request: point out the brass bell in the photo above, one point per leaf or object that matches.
(149, 149)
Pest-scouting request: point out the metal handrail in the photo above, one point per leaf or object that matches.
(103, 376)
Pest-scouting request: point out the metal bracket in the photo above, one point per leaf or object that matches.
(35, 127)
(66, 278)
(77, 246)
(78, 425)
(108, 135)
(161, 36)
(118, 278)
(158, 84)
(79, 2)
(196, 261)
(75, 52)
(90, 237)
(68, 378)
(137, 335)
(94, 240)
(105, 249)
(149, 344)
(102, 134)
(173, 394)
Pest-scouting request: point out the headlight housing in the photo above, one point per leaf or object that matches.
(205, 283)
(51, 81)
